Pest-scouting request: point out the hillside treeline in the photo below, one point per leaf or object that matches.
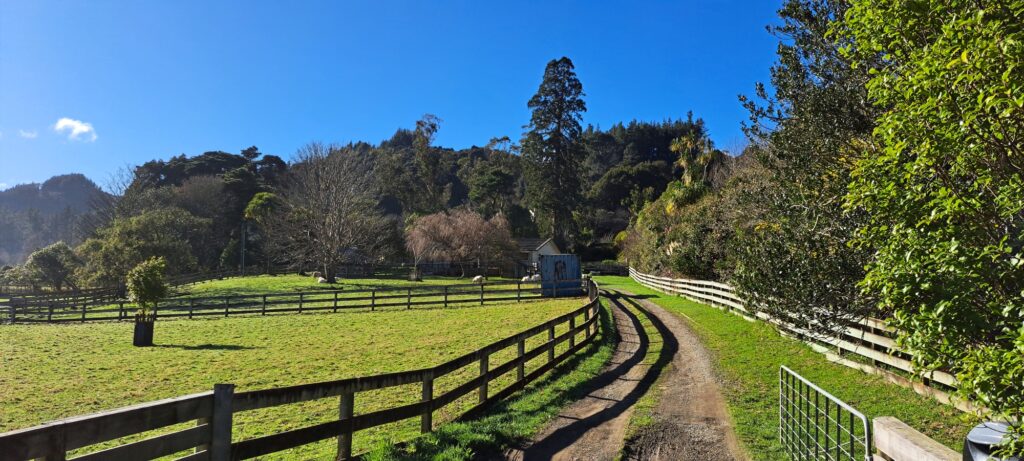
(884, 179)
(332, 204)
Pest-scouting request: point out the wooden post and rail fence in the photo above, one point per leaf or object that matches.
(212, 412)
(63, 310)
(866, 344)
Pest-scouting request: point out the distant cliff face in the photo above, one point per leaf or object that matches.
(35, 215)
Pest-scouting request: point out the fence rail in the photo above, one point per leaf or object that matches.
(814, 425)
(408, 297)
(212, 412)
(866, 344)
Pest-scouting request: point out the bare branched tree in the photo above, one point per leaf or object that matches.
(328, 215)
(460, 235)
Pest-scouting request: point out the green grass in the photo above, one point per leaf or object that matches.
(747, 358)
(54, 371)
(516, 419)
(260, 284)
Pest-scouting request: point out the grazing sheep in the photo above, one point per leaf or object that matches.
(479, 279)
(535, 278)
(321, 280)
(526, 278)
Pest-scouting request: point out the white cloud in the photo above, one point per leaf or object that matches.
(76, 130)
(3, 186)
(28, 134)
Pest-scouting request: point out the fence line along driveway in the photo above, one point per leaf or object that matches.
(49, 311)
(866, 344)
(212, 412)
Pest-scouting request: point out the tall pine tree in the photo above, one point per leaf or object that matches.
(553, 150)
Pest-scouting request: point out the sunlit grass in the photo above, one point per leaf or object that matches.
(54, 371)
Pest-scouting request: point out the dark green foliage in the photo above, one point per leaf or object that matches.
(53, 265)
(171, 233)
(796, 260)
(553, 151)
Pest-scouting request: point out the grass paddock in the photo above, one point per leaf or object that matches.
(54, 371)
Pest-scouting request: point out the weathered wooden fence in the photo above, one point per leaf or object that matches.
(867, 344)
(212, 412)
(34, 310)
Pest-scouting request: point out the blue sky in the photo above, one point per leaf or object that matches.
(92, 86)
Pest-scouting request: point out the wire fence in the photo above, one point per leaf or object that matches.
(814, 425)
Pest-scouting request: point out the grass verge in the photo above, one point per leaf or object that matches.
(513, 421)
(747, 358)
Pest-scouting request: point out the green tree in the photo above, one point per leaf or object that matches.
(172, 233)
(795, 257)
(145, 284)
(943, 186)
(54, 265)
(553, 151)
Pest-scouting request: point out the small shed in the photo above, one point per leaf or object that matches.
(530, 250)
(560, 275)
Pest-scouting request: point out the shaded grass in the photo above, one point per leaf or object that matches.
(54, 371)
(260, 284)
(747, 358)
(511, 423)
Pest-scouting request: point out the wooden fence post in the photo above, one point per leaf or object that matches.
(49, 316)
(191, 307)
(408, 298)
(484, 366)
(520, 352)
(346, 408)
(83, 311)
(519, 288)
(220, 425)
(373, 300)
(156, 306)
(263, 306)
(586, 319)
(226, 304)
(427, 418)
(446, 296)
(551, 343)
(572, 336)
(300, 303)
(335, 301)
(481, 294)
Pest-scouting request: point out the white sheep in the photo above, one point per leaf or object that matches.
(526, 278)
(535, 278)
(321, 280)
(479, 279)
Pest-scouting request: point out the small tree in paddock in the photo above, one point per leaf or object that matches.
(146, 287)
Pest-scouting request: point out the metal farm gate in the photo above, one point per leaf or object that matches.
(814, 425)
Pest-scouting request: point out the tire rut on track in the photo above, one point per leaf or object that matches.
(690, 419)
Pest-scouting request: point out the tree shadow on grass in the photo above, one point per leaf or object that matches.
(207, 347)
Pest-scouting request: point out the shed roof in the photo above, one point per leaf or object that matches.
(531, 244)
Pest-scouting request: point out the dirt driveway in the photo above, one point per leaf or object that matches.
(690, 420)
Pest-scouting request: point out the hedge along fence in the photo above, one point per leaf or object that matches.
(867, 344)
(212, 413)
(47, 311)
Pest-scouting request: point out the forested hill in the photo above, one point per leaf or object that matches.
(34, 215)
(56, 194)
